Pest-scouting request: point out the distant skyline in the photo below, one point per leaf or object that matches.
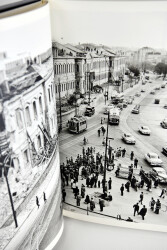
(121, 24)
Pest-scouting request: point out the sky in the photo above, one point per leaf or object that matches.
(26, 33)
(130, 24)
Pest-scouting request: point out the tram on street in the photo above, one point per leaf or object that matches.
(77, 124)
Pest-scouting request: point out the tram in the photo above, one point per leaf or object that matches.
(77, 124)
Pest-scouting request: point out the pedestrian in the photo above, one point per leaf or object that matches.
(162, 193)
(143, 212)
(157, 206)
(84, 141)
(92, 205)
(101, 203)
(122, 189)
(141, 197)
(103, 142)
(98, 132)
(127, 186)
(123, 152)
(87, 199)
(44, 197)
(64, 194)
(101, 120)
(109, 197)
(152, 203)
(98, 183)
(37, 202)
(78, 200)
(103, 130)
(109, 183)
(156, 182)
(131, 155)
(136, 208)
(82, 191)
(135, 162)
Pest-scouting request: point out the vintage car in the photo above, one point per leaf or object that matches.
(128, 138)
(160, 174)
(144, 130)
(153, 159)
(136, 109)
(89, 111)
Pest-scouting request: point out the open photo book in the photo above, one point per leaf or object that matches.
(83, 98)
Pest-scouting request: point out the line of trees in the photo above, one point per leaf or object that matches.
(161, 69)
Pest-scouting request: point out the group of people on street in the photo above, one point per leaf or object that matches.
(90, 165)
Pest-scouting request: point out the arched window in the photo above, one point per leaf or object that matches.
(28, 117)
(35, 110)
(19, 119)
(40, 105)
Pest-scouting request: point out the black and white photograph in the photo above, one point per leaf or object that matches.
(30, 183)
(110, 63)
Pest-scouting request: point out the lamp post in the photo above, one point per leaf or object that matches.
(59, 90)
(5, 166)
(105, 159)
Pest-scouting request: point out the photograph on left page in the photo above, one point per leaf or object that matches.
(30, 183)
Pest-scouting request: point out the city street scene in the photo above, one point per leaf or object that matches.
(111, 93)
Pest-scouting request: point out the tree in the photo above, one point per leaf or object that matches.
(72, 99)
(161, 68)
(134, 70)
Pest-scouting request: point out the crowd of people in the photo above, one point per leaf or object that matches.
(90, 167)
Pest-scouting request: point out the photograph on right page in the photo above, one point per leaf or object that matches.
(110, 62)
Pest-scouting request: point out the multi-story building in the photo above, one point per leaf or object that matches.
(28, 124)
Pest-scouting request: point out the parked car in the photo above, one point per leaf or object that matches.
(89, 111)
(164, 123)
(128, 138)
(144, 83)
(153, 159)
(137, 94)
(159, 173)
(157, 88)
(136, 109)
(165, 106)
(164, 150)
(130, 101)
(120, 106)
(157, 101)
(152, 92)
(147, 77)
(144, 130)
(143, 90)
(163, 85)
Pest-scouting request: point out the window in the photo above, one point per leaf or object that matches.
(28, 118)
(52, 90)
(40, 105)
(49, 95)
(39, 141)
(19, 119)
(26, 156)
(35, 110)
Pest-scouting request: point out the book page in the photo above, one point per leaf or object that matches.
(110, 64)
(30, 183)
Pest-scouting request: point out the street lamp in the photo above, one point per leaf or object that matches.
(5, 166)
(105, 159)
(59, 90)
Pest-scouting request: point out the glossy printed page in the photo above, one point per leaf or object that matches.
(30, 183)
(110, 61)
